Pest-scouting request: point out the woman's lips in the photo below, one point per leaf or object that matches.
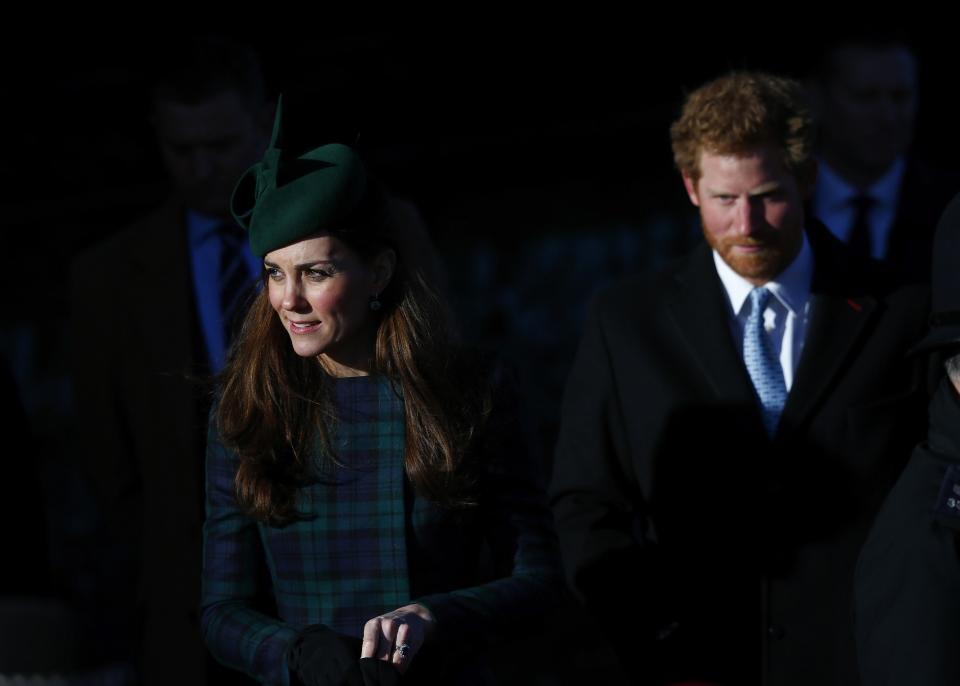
(304, 327)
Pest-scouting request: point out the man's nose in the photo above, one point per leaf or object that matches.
(749, 215)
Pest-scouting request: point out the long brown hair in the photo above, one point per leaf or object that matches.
(275, 406)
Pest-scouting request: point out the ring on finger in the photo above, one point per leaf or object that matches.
(403, 649)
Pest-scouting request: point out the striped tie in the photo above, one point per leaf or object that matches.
(762, 363)
(860, 241)
(234, 280)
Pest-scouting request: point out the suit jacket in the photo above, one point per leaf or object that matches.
(706, 549)
(908, 576)
(924, 193)
(139, 434)
(923, 197)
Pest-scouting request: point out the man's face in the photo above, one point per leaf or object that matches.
(869, 105)
(207, 146)
(751, 209)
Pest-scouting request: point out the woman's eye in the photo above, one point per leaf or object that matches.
(273, 273)
(318, 274)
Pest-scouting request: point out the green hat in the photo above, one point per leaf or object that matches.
(294, 193)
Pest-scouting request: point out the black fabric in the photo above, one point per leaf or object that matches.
(378, 672)
(925, 192)
(705, 549)
(907, 585)
(861, 239)
(321, 657)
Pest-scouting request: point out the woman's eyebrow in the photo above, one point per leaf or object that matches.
(312, 263)
(301, 265)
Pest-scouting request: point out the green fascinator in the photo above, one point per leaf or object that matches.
(296, 190)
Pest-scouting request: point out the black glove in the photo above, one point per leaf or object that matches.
(378, 672)
(320, 656)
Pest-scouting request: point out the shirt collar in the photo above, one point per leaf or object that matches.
(791, 287)
(833, 192)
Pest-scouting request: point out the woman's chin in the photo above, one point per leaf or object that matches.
(306, 348)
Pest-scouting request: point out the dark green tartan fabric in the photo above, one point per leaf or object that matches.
(349, 562)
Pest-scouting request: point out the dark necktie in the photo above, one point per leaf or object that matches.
(861, 239)
(235, 283)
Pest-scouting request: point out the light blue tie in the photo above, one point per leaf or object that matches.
(762, 362)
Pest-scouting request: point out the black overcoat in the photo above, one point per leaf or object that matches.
(706, 549)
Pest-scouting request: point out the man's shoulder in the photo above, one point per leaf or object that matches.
(156, 232)
(838, 271)
(643, 292)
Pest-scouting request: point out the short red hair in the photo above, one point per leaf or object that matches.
(743, 110)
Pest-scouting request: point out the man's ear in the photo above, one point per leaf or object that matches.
(691, 187)
(384, 264)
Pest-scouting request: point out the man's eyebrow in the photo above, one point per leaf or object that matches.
(714, 192)
(765, 188)
(759, 190)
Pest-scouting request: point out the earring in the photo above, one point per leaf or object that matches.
(375, 303)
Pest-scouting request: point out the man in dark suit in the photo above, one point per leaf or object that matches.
(731, 425)
(150, 315)
(872, 192)
(908, 578)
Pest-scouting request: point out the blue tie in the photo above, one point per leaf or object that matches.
(236, 285)
(762, 363)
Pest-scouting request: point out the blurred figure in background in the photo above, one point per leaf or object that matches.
(151, 307)
(871, 191)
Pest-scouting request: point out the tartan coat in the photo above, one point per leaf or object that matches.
(369, 545)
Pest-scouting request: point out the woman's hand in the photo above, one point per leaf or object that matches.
(397, 636)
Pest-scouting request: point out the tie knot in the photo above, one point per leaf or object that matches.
(759, 297)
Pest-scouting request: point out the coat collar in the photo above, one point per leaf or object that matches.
(165, 305)
(698, 307)
(841, 309)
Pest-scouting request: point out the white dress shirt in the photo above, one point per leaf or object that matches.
(832, 204)
(788, 311)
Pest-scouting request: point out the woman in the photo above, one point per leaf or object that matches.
(357, 462)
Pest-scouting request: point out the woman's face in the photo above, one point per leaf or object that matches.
(320, 290)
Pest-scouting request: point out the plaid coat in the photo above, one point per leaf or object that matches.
(370, 546)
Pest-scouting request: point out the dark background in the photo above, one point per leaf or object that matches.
(490, 131)
(521, 142)
(538, 157)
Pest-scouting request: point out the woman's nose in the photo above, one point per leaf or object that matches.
(292, 296)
